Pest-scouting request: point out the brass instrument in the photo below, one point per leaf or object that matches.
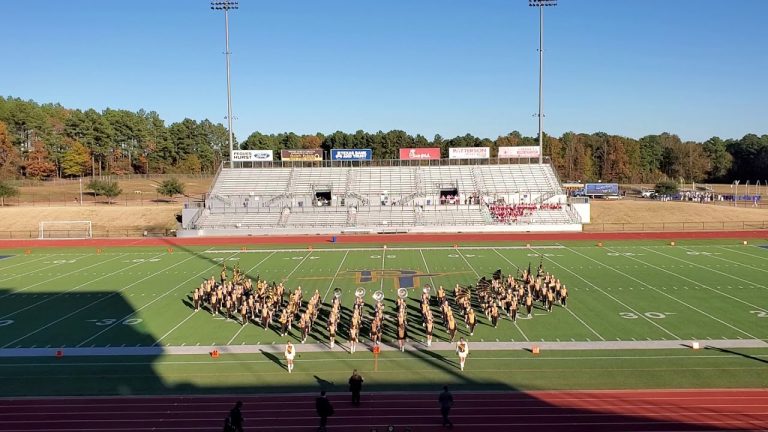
(402, 293)
(360, 292)
(378, 296)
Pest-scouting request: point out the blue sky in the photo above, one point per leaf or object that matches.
(693, 67)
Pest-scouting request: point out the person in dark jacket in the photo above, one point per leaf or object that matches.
(324, 410)
(446, 403)
(235, 420)
(355, 386)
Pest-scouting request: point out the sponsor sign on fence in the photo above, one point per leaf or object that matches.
(592, 189)
(432, 153)
(519, 152)
(469, 153)
(351, 154)
(252, 155)
(301, 154)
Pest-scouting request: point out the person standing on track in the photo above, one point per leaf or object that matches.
(324, 410)
(355, 386)
(234, 421)
(446, 403)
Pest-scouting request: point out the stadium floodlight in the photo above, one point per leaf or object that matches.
(541, 4)
(226, 6)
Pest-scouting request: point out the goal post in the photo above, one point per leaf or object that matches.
(66, 230)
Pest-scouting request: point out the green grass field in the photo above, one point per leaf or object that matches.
(640, 291)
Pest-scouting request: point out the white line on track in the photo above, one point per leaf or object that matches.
(53, 278)
(156, 299)
(99, 300)
(706, 286)
(660, 291)
(570, 311)
(193, 313)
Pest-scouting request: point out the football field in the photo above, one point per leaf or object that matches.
(619, 293)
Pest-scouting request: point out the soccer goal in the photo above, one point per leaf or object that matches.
(66, 230)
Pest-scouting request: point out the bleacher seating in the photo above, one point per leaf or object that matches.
(380, 197)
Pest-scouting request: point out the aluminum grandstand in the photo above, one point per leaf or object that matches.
(329, 197)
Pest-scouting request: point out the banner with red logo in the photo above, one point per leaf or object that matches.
(432, 153)
(519, 152)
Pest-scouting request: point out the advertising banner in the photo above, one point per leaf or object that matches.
(592, 189)
(252, 155)
(519, 152)
(351, 154)
(301, 154)
(469, 153)
(432, 153)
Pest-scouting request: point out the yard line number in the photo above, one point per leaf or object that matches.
(652, 315)
(110, 321)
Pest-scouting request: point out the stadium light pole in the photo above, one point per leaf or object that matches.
(226, 6)
(541, 4)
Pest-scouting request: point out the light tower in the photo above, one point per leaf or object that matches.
(541, 4)
(226, 6)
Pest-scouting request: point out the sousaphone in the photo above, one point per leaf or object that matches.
(360, 292)
(378, 296)
(337, 292)
(402, 293)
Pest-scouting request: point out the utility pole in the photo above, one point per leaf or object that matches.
(541, 4)
(226, 6)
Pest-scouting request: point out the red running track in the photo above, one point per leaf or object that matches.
(311, 240)
(672, 410)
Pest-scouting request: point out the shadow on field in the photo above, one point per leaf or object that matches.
(93, 321)
(736, 353)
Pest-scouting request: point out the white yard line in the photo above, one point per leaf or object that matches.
(478, 276)
(297, 267)
(10, 259)
(237, 333)
(96, 301)
(156, 299)
(383, 256)
(426, 266)
(722, 259)
(660, 291)
(379, 249)
(762, 257)
(706, 286)
(570, 311)
(335, 275)
(69, 290)
(53, 278)
(193, 313)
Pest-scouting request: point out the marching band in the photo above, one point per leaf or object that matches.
(266, 304)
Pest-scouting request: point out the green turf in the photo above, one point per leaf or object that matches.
(624, 291)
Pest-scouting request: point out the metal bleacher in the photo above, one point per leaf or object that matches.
(288, 198)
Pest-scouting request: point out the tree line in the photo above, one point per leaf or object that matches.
(48, 140)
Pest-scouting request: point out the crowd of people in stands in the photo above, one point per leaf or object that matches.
(511, 213)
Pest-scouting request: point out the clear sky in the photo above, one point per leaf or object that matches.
(697, 68)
